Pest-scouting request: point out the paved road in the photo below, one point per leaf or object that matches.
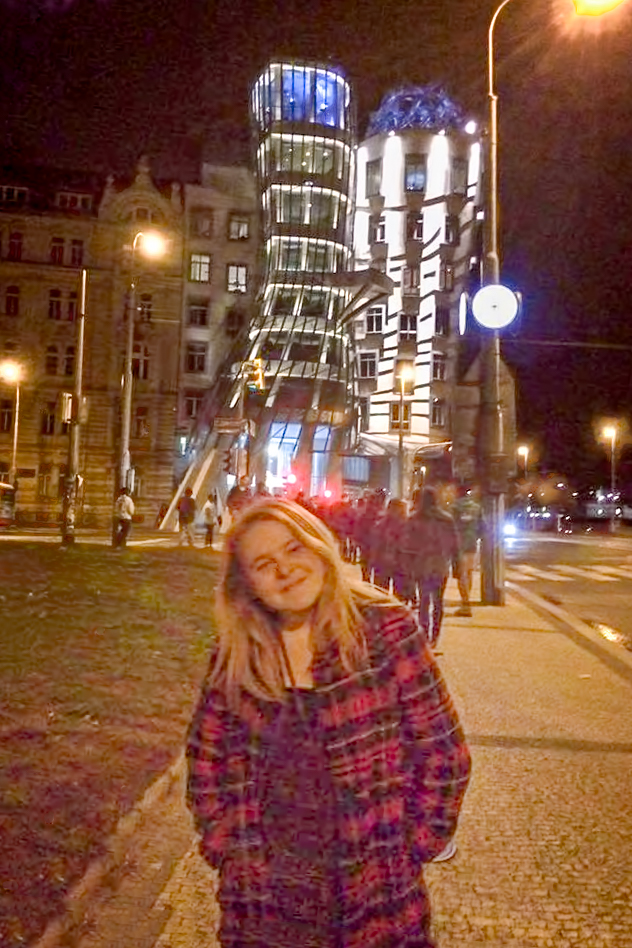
(591, 577)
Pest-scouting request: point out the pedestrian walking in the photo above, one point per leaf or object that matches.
(467, 517)
(391, 558)
(123, 515)
(212, 518)
(186, 518)
(432, 546)
(238, 496)
(326, 760)
(367, 533)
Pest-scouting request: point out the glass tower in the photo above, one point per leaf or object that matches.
(302, 116)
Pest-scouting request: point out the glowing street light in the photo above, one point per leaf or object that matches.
(523, 452)
(11, 372)
(151, 245)
(610, 433)
(595, 7)
(406, 374)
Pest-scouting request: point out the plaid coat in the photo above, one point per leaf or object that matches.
(400, 767)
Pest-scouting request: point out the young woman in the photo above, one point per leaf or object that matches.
(327, 763)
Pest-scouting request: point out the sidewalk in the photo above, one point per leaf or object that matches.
(545, 839)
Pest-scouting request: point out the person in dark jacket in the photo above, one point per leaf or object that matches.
(367, 533)
(432, 547)
(326, 760)
(391, 559)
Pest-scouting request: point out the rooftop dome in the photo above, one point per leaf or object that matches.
(416, 107)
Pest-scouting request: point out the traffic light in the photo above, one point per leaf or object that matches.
(253, 372)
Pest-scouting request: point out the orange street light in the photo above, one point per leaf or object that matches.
(11, 372)
(595, 7)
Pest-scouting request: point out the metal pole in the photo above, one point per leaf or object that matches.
(126, 419)
(71, 493)
(492, 447)
(16, 422)
(613, 524)
(400, 452)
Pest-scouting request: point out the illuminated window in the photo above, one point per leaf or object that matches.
(196, 357)
(414, 226)
(54, 304)
(368, 365)
(6, 415)
(76, 253)
(439, 413)
(69, 360)
(442, 321)
(51, 361)
(197, 314)
(396, 424)
(12, 301)
(140, 362)
(192, 404)
(238, 227)
(237, 278)
(200, 269)
(377, 230)
(439, 364)
(57, 250)
(373, 177)
(374, 318)
(415, 173)
(15, 246)
(459, 176)
(407, 328)
(47, 426)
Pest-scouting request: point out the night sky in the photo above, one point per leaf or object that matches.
(95, 83)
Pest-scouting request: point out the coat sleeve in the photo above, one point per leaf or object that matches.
(210, 789)
(438, 758)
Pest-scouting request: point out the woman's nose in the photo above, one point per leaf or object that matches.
(283, 567)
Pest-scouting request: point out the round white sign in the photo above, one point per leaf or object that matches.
(495, 306)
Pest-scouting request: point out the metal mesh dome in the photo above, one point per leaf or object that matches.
(416, 107)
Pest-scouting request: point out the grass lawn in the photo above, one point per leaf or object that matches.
(101, 658)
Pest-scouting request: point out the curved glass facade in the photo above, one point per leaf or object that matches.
(305, 168)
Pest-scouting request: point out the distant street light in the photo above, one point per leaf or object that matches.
(11, 372)
(610, 433)
(523, 452)
(151, 245)
(406, 374)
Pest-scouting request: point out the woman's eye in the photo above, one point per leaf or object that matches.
(295, 547)
(265, 564)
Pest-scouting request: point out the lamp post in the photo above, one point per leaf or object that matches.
(523, 452)
(611, 434)
(11, 372)
(406, 374)
(492, 448)
(151, 245)
(71, 492)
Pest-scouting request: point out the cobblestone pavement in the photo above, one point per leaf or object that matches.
(544, 854)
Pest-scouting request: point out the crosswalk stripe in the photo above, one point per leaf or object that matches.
(584, 573)
(615, 570)
(541, 574)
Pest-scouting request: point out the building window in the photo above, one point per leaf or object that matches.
(415, 173)
(452, 230)
(71, 311)
(140, 362)
(368, 365)
(69, 361)
(405, 417)
(317, 258)
(6, 415)
(446, 276)
(196, 357)
(373, 177)
(141, 422)
(439, 364)
(76, 253)
(377, 230)
(10, 195)
(407, 328)
(235, 322)
(45, 480)
(410, 279)
(238, 227)
(364, 412)
(15, 246)
(57, 250)
(144, 309)
(237, 278)
(197, 314)
(54, 304)
(459, 176)
(202, 221)
(442, 321)
(200, 271)
(48, 419)
(415, 226)
(12, 301)
(51, 361)
(291, 255)
(374, 319)
(438, 418)
(192, 404)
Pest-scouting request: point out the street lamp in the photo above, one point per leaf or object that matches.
(73, 480)
(406, 374)
(610, 433)
(523, 452)
(151, 245)
(492, 451)
(11, 372)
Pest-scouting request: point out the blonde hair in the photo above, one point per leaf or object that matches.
(248, 655)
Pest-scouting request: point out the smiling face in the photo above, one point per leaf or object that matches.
(282, 572)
